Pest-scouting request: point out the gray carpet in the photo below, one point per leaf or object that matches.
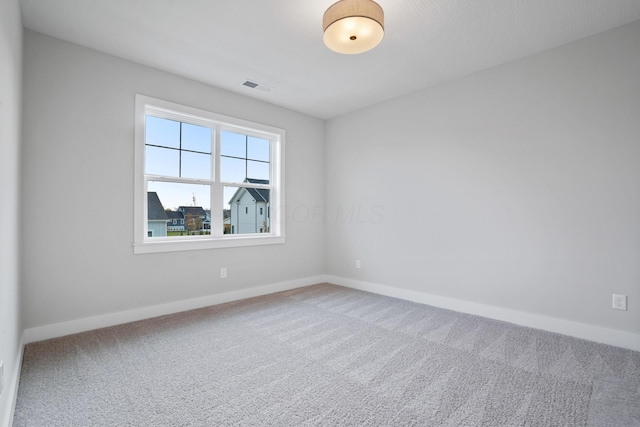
(326, 355)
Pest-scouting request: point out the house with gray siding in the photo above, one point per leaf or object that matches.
(250, 209)
(156, 216)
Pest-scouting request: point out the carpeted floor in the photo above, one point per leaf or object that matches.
(326, 356)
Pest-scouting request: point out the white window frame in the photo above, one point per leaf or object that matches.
(146, 105)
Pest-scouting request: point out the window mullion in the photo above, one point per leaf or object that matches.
(274, 182)
(178, 180)
(145, 209)
(246, 185)
(246, 156)
(180, 153)
(217, 190)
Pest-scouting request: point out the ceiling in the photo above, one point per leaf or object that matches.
(278, 43)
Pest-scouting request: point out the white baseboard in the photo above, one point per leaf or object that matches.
(566, 327)
(551, 324)
(12, 388)
(95, 322)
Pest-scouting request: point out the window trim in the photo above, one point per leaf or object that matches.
(217, 239)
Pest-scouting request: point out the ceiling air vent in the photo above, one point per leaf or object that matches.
(257, 86)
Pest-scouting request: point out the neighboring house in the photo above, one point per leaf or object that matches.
(176, 221)
(156, 216)
(250, 209)
(195, 218)
(207, 221)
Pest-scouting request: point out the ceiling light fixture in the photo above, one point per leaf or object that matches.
(353, 26)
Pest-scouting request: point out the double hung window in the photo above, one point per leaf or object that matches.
(204, 180)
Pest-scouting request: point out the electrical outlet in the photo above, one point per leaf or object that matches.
(620, 302)
(358, 265)
(223, 273)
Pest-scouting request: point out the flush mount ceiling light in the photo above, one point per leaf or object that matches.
(353, 26)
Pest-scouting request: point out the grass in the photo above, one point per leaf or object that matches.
(184, 233)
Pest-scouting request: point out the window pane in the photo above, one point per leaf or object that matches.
(248, 210)
(162, 161)
(196, 165)
(228, 195)
(258, 149)
(233, 144)
(196, 138)
(257, 170)
(187, 204)
(162, 132)
(232, 170)
(173, 194)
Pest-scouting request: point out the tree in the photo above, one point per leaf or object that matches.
(194, 223)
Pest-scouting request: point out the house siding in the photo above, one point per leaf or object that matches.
(246, 217)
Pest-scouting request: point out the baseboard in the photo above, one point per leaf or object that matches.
(551, 324)
(95, 322)
(12, 388)
(561, 326)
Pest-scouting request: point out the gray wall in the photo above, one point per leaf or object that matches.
(516, 187)
(78, 177)
(10, 108)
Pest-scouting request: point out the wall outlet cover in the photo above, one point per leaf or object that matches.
(620, 302)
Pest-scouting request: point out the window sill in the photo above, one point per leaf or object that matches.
(192, 245)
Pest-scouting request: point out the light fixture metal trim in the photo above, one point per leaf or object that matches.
(353, 26)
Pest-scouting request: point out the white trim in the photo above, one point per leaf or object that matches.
(55, 330)
(566, 327)
(198, 244)
(12, 387)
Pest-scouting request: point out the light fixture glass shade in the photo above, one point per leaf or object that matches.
(353, 26)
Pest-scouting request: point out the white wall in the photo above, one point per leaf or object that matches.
(517, 187)
(10, 113)
(78, 176)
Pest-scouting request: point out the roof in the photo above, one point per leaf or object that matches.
(193, 210)
(155, 210)
(174, 215)
(258, 194)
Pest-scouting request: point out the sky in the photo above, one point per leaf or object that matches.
(184, 150)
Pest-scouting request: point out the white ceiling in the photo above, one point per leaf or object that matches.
(278, 43)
